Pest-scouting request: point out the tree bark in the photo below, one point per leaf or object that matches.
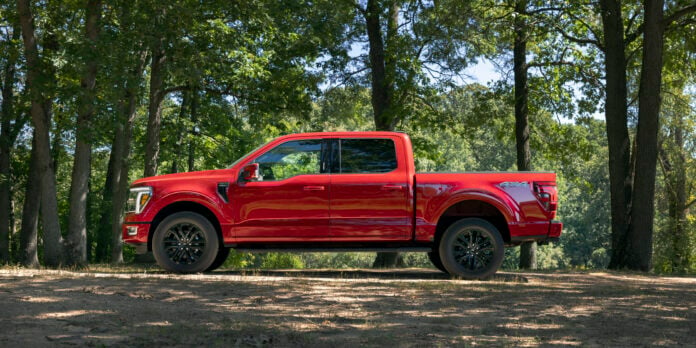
(616, 114)
(76, 241)
(382, 72)
(154, 122)
(53, 244)
(103, 239)
(28, 234)
(680, 235)
(121, 151)
(524, 156)
(382, 87)
(7, 139)
(193, 133)
(640, 234)
(674, 168)
(180, 131)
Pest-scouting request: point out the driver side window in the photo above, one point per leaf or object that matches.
(298, 157)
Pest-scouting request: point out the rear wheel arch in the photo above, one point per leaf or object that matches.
(472, 208)
(184, 206)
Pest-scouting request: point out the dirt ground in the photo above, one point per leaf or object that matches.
(411, 307)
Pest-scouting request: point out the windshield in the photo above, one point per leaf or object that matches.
(245, 156)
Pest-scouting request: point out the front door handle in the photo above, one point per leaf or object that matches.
(392, 187)
(314, 188)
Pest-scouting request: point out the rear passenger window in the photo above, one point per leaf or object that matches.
(367, 156)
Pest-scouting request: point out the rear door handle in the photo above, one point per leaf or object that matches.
(314, 188)
(392, 187)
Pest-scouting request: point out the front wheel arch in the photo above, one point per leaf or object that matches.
(183, 206)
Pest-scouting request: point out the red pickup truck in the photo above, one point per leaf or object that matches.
(339, 191)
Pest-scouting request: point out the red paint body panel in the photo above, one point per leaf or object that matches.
(524, 214)
(295, 209)
(399, 206)
(376, 206)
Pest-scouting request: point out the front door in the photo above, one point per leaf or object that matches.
(290, 200)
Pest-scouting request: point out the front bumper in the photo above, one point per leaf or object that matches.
(135, 233)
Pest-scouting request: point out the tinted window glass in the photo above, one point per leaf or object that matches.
(367, 156)
(291, 159)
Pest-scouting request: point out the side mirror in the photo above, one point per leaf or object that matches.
(251, 172)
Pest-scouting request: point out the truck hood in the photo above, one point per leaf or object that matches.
(216, 174)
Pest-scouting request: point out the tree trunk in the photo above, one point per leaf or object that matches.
(121, 149)
(675, 175)
(382, 71)
(640, 234)
(382, 88)
(119, 184)
(41, 121)
(524, 156)
(76, 242)
(28, 234)
(6, 142)
(193, 133)
(180, 132)
(102, 250)
(154, 122)
(680, 262)
(616, 114)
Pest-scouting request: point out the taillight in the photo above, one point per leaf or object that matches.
(547, 195)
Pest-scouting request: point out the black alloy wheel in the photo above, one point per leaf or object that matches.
(472, 248)
(185, 242)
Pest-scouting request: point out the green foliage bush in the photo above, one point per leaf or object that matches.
(315, 260)
(281, 260)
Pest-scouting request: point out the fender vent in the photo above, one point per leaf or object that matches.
(222, 191)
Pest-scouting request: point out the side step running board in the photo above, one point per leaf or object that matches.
(328, 249)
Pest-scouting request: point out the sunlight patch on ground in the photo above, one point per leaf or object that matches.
(564, 342)
(647, 279)
(69, 314)
(530, 326)
(157, 323)
(40, 299)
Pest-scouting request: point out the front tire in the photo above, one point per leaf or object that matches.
(221, 257)
(472, 248)
(185, 242)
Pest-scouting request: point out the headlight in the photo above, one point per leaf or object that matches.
(138, 198)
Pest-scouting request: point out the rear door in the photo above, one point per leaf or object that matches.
(369, 192)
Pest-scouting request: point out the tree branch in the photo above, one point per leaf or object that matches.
(552, 63)
(543, 9)
(176, 89)
(630, 23)
(579, 40)
(349, 76)
(666, 22)
(678, 14)
(689, 204)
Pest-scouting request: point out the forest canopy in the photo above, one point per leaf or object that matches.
(98, 93)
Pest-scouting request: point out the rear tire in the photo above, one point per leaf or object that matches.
(434, 257)
(185, 242)
(472, 248)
